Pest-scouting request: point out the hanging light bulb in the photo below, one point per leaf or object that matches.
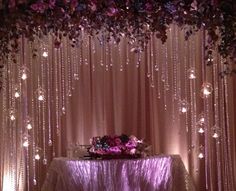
(24, 72)
(38, 153)
(183, 106)
(215, 135)
(201, 119)
(12, 115)
(206, 90)
(28, 123)
(40, 93)
(191, 73)
(17, 94)
(45, 54)
(201, 130)
(215, 132)
(200, 155)
(25, 138)
(26, 143)
(17, 91)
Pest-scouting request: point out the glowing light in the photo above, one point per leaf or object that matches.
(17, 94)
(215, 135)
(37, 157)
(12, 117)
(45, 54)
(206, 90)
(183, 109)
(24, 76)
(40, 98)
(40, 93)
(29, 126)
(26, 143)
(183, 106)
(201, 156)
(191, 73)
(201, 130)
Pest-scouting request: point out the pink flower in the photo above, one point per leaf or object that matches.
(93, 6)
(115, 150)
(112, 11)
(52, 4)
(131, 144)
(39, 7)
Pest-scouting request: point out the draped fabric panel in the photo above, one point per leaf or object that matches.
(101, 88)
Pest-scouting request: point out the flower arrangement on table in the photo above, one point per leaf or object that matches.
(122, 146)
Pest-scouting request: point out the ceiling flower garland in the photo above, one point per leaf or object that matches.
(135, 19)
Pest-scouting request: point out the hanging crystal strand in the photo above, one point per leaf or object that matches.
(229, 162)
(106, 57)
(163, 71)
(57, 101)
(223, 134)
(12, 121)
(157, 67)
(139, 59)
(216, 120)
(77, 61)
(191, 133)
(69, 71)
(178, 66)
(172, 37)
(152, 60)
(62, 64)
(44, 87)
(33, 115)
(93, 44)
(49, 77)
(206, 147)
(24, 111)
(127, 52)
(4, 119)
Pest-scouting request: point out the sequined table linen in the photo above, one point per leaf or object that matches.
(157, 173)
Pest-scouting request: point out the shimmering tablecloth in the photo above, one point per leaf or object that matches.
(157, 173)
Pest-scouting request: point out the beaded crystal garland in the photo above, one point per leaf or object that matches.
(39, 85)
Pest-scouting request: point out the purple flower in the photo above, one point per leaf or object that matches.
(52, 4)
(112, 11)
(115, 150)
(39, 7)
(131, 144)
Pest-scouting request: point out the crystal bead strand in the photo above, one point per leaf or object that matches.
(205, 113)
(62, 64)
(216, 120)
(44, 63)
(33, 114)
(229, 162)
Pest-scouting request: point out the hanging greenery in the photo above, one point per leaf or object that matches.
(135, 19)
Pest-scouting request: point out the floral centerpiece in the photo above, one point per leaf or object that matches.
(122, 146)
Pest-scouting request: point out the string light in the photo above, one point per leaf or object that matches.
(183, 106)
(12, 115)
(201, 130)
(206, 90)
(17, 94)
(191, 73)
(26, 143)
(24, 72)
(40, 93)
(200, 155)
(38, 153)
(29, 126)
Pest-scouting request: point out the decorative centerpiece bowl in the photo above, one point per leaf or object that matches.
(117, 147)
